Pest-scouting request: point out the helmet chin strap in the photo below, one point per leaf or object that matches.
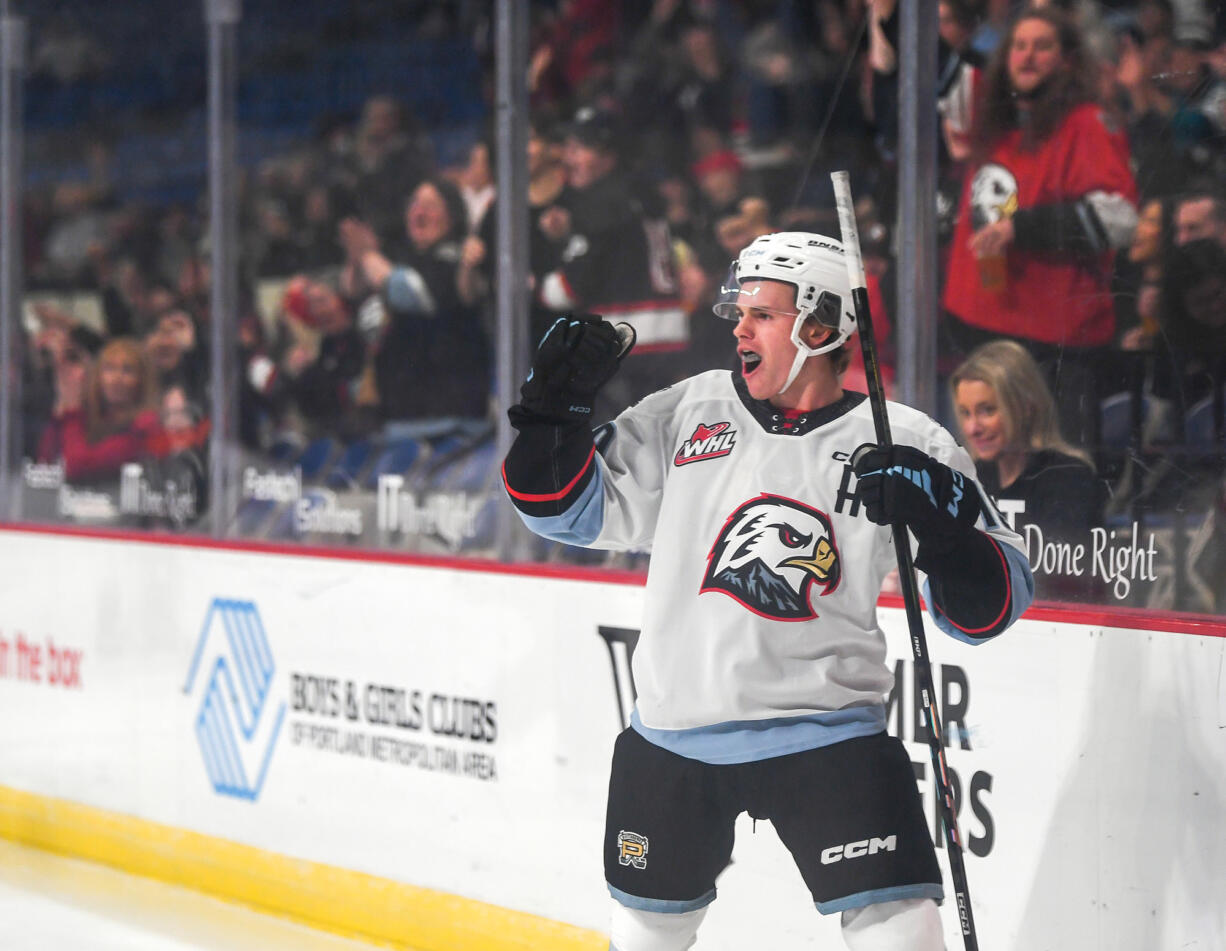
(802, 355)
(804, 351)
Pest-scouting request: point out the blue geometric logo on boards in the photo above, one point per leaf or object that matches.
(236, 669)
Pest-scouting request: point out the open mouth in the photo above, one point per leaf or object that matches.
(749, 362)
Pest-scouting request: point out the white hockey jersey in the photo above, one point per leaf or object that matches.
(760, 634)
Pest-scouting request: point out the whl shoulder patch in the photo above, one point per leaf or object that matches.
(708, 442)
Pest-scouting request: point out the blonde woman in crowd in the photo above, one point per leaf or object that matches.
(105, 414)
(1008, 422)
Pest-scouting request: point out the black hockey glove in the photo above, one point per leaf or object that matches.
(902, 484)
(577, 356)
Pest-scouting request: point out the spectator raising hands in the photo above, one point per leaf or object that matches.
(431, 356)
(105, 416)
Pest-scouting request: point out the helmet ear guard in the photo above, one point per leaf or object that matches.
(803, 350)
(827, 311)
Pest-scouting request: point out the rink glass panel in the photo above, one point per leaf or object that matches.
(347, 433)
(116, 171)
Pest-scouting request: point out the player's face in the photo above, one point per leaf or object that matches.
(1034, 55)
(981, 421)
(767, 311)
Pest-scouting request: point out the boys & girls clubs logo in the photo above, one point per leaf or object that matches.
(230, 679)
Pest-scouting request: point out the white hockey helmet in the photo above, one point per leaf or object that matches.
(814, 265)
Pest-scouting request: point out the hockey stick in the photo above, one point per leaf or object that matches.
(902, 546)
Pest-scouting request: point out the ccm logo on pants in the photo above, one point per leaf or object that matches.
(853, 850)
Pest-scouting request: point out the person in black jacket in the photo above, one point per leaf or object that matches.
(431, 353)
(611, 252)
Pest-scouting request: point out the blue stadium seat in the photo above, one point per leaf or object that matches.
(286, 447)
(471, 470)
(1199, 426)
(251, 516)
(1115, 419)
(316, 456)
(396, 458)
(446, 444)
(281, 93)
(282, 525)
(285, 525)
(345, 473)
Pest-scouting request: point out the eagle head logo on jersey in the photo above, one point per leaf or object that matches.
(993, 195)
(768, 555)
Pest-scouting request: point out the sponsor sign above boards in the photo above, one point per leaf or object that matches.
(452, 729)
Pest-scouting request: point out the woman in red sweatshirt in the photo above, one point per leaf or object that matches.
(104, 416)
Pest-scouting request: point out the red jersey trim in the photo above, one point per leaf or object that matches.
(549, 496)
(1008, 598)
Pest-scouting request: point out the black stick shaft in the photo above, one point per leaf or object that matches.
(906, 567)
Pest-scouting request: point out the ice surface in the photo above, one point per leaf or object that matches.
(52, 903)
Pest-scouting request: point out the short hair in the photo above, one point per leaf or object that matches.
(1217, 203)
(840, 358)
(966, 14)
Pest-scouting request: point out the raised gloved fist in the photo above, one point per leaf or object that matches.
(576, 357)
(902, 484)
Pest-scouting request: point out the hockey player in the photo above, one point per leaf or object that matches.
(760, 667)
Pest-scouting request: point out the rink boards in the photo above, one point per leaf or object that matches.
(418, 752)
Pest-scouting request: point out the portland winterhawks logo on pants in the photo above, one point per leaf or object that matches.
(632, 849)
